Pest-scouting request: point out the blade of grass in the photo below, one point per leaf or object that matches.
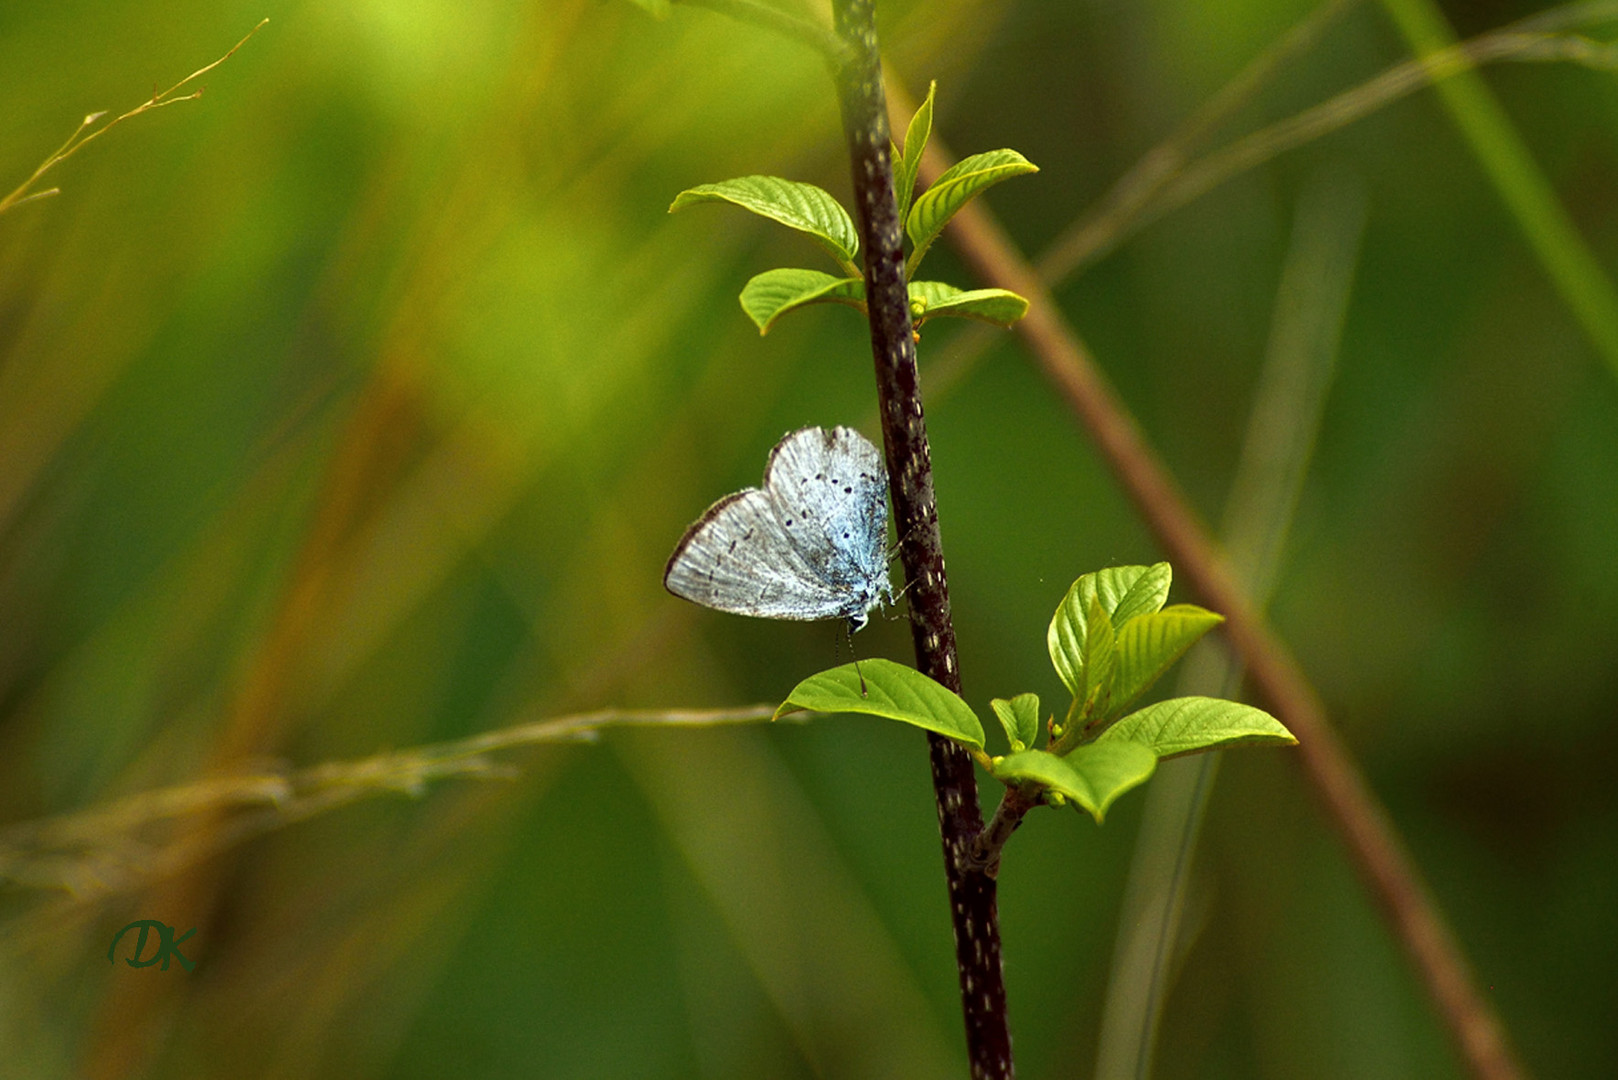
(1522, 185)
(1304, 336)
(1168, 177)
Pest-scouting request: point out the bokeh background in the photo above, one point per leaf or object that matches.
(358, 404)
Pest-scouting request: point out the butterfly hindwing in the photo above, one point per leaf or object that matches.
(720, 563)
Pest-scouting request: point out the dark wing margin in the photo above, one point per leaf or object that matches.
(690, 537)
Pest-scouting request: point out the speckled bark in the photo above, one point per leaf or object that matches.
(904, 432)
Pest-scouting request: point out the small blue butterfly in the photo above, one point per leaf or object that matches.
(810, 544)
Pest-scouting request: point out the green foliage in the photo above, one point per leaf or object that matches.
(935, 300)
(804, 207)
(953, 190)
(658, 8)
(768, 296)
(907, 162)
(812, 210)
(1123, 591)
(889, 690)
(1110, 639)
(1020, 718)
(1092, 777)
(1099, 655)
(1148, 645)
(1188, 725)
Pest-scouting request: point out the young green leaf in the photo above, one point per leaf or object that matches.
(1149, 593)
(1100, 660)
(658, 8)
(773, 293)
(896, 155)
(1092, 776)
(1190, 724)
(1124, 592)
(1149, 644)
(907, 162)
(1020, 718)
(953, 190)
(892, 691)
(804, 207)
(938, 300)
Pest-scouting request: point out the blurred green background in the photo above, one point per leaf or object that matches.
(358, 405)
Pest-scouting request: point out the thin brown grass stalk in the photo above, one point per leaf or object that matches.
(87, 132)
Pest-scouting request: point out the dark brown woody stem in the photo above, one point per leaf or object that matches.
(904, 432)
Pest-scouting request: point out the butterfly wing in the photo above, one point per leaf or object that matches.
(830, 491)
(738, 558)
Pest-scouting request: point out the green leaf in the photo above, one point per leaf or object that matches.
(1124, 592)
(907, 162)
(1020, 718)
(896, 155)
(773, 293)
(1148, 594)
(804, 207)
(658, 8)
(1092, 776)
(1100, 659)
(953, 190)
(1189, 724)
(1149, 644)
(892, 691)
(937, 300)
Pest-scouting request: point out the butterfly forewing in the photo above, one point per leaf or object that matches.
(831, 493)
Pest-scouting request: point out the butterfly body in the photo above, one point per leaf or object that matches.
(810, 544)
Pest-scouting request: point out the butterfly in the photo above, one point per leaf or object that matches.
(810, 544)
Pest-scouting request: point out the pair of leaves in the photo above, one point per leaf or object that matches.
(1092, 777)
(773, 293)
(1110, 639)
(813, 211)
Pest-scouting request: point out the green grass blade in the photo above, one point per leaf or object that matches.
(1527, 193)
